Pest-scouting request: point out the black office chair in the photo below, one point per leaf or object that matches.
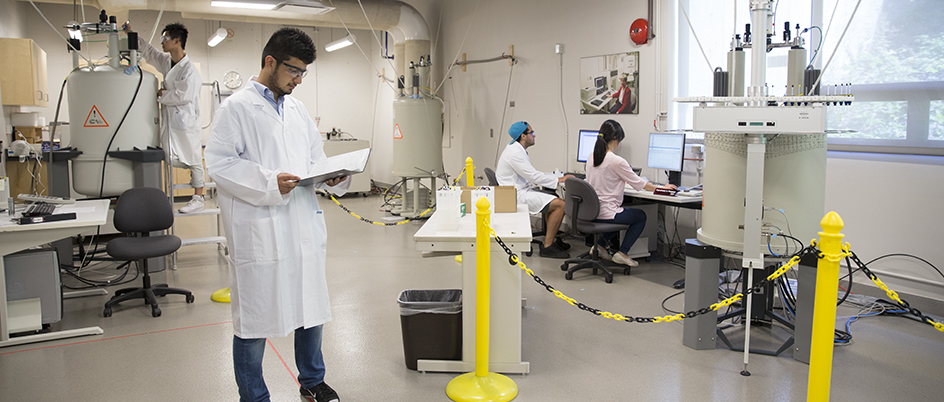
(139, 211)
(493, 181)
(490, 176)
(582, 205)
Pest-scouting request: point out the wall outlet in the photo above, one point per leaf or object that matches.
(511, 103)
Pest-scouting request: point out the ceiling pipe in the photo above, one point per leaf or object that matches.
(408, 28)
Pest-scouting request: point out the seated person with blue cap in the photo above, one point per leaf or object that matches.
(514, 169)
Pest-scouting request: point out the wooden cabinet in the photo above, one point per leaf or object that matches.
(23, 73)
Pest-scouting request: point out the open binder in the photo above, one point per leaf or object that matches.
(345, 164)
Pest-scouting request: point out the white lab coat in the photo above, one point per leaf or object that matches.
(514, 169)
(277, 242)
(180, 116)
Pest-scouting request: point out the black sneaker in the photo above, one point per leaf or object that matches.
(319, 393)
(561, 244)
(553, 252)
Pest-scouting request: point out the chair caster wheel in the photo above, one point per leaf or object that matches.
(626, 271)
(563, 267)
(568, 276)
(107, 312)
(190, 298)
(528, 253)
(609, 279)
(155, 312)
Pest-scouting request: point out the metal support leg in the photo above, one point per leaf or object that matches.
(806, 294)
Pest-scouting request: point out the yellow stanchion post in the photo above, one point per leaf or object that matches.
(482, 385)
(824, 308)
(469, 180)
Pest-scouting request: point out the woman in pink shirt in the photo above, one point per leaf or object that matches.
(608, 173)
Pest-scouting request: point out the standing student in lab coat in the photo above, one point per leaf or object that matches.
(261, 143)
(180, 98)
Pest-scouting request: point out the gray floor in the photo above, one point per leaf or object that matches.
(185, 354)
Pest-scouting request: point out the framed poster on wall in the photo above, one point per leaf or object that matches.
(609, 84)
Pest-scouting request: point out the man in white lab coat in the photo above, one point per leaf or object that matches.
(515, 169)
(180, 97)
(261, 144)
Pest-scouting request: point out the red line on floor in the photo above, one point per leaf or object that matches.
(112, 338)
(283, 362)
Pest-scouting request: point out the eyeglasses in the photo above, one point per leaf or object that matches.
(165, 38)
(295, 72)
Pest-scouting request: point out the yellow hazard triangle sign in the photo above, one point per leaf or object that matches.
(397, 135)
(95, 118)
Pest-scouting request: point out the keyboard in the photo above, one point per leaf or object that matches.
(581, 176)
(596, 102)
(39, 209)
(46, 198)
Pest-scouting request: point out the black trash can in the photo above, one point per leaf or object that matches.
(431, 323)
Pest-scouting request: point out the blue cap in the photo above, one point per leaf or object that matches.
(516, 130)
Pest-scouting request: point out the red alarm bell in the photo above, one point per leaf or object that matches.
(639, 31)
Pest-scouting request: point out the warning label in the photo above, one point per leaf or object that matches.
(397, 135)
(95, 118)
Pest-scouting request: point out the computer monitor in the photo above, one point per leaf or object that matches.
(600, 84)
(585, 143)
(666, 152)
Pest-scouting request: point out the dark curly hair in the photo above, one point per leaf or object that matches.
(289, 42)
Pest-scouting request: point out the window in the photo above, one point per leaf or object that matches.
(892, 54)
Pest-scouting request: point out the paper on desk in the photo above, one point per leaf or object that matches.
(336, 166)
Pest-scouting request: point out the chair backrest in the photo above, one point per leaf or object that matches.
(581, 201)
(490, 175)
(143, 209)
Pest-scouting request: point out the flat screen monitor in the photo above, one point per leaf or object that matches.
(600, 84)
(666, 151)
(586, 141)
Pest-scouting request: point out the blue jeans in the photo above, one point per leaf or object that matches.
(635, 218)
(247, 360)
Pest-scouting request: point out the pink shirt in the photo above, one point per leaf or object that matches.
(609, 180)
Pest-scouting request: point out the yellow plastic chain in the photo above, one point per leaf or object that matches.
(373, 222)
(669, 318)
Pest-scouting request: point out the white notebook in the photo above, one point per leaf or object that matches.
(344, 164)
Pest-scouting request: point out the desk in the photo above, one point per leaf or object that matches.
(505, 310)
(676, 201)
(13, 238)
(605, 103)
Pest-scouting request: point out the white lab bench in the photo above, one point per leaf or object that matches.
(25, 314)
(505, 329)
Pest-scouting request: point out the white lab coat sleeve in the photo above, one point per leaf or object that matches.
(242, 178)
(522, 166)
(154, 57)
(187, 88)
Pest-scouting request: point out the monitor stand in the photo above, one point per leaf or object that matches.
(675, 178)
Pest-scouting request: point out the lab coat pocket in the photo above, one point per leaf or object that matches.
(320, 232)
(266, 240)
(181, 118)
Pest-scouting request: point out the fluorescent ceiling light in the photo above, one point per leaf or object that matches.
(250, 4)
(216, 39)
(340, 43)
(290, 6)
(303, 7)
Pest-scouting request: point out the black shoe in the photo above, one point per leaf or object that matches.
(319, 393)
(561, 244)
(553, 252)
